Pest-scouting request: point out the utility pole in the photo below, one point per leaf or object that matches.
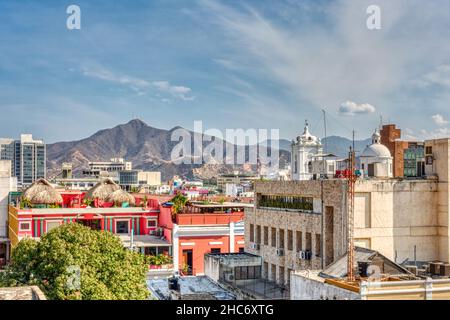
(322, 242)
(351, 179)
(325, 129)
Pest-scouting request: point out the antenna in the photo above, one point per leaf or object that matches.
(325, 129)
(325, 141)
(351, 179)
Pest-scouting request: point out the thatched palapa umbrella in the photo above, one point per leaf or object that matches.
(41, 192)
(102, 190)
(120, 196)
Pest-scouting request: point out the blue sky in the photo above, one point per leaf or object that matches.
(232, 64)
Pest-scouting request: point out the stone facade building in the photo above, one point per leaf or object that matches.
(299, 225)
(286, 226)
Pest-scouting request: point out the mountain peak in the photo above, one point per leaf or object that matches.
(137, 123)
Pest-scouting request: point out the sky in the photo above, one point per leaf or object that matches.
(266, 64)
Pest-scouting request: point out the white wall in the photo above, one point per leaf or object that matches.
(7, 184)
(393, 216)
(304, 288)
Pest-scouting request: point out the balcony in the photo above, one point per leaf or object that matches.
(208, 218)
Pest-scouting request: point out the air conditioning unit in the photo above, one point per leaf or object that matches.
(301, 255)
(255, 246)
(304, 255)
(280, 252)
(308, 255)
(229, 277)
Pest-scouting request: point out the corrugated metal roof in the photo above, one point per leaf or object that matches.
(338, 269)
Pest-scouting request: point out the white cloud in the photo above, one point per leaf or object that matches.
(439, 76)
(322, 64)
(176, 91)
(439, 120)
(107, 75)
(140, 86)
(350, 108)
(436, 133)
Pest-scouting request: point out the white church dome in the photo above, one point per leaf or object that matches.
(376, 149)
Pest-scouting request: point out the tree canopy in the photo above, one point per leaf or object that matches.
(179, 202)
(75, 262)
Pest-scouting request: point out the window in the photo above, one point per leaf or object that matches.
(266, 236)
(215, 250)
(299, 241)
(429, 150)
(52, 225)
(25, 226)
(266, 270)
(273, 236)
(241, 250)
(258, 234)
(252, 233)
(308, 242)
(243, 273)
(151, 223)
(281, 239)
(290, 240)
(122, 227)
(318, 245)
(295, 164)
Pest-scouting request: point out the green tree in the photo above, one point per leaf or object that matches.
(106, 269)
(179, 202)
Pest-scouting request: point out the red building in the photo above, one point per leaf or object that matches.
(203, 228)
(139, 220)
(136, 223)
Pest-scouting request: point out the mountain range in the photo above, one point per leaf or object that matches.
(150, 148)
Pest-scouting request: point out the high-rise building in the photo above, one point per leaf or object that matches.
(27, 156)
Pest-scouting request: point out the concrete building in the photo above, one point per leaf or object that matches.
(235, 178)
(286, 225)
(27, 156)
(131, 179)
(202, 228)
(240, 274)
(188, 288)
(67, 170)
(22, 293)
(406, 220)
(149, 178)
(331, 283)
(96, 168)
(7, 185)
(82, 184)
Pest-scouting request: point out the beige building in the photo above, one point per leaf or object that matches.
(402, 219)
(286, 225)
(149, 178)
(235, 178)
